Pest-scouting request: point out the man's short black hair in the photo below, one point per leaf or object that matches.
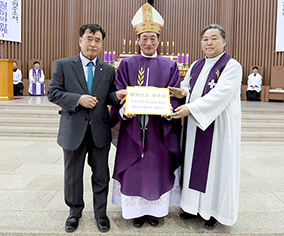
(214, 26)
(93, 28)
(36, 62)
(255, 67)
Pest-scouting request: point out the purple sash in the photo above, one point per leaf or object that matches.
(36, 79)
(203, 139)
(36, 76)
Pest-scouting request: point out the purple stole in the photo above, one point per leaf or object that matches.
(203, 139)
(36, 79)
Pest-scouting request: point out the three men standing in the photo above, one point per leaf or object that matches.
(147, 159)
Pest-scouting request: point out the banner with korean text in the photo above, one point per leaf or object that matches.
(10, 20)
(280, 27)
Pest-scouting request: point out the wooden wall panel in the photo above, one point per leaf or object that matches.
(255, 33)
(115, 18)
(184, 20)
(50, 29)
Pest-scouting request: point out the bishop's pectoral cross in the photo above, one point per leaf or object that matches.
(212, 84)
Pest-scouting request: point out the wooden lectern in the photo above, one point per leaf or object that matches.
(6, 79)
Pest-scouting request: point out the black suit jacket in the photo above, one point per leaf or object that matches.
(67, 85)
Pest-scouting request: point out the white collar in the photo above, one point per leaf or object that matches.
(214, 58)
(153, 56)
(85, 60)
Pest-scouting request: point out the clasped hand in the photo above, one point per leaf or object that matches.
(88, 101)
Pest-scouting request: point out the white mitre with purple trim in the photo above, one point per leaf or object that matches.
(147, 18)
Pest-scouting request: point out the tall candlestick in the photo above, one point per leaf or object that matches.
(182, 58)
(167, 53)
(162, 48)
(129, 51)
(187, 59)
(178, 58)
(105, 56)
(109, 56)
(114, 56)
(173, 46)
(123, 49)
(135, 49)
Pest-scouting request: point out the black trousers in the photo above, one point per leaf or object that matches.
(17, 88)
(252, 95)
(73, 176)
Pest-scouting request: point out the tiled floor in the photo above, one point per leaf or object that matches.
(32, 203)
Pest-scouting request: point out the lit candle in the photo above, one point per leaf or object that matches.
(182, 58)
(129, 42)
(105, 56)
(109, 56)
(168, 44)
(162, 44)
(187, 59)
(124, 41)
(178, 58)
(135, 43)
(114, 56)
(173, 43)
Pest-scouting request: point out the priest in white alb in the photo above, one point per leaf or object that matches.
(36, 79)
(211, 133)
(254, 85)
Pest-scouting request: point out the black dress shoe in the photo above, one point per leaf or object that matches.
(138, 222)
(153, 221)
(186, 216)
(103, 224)
(72, 223)
(211, 223)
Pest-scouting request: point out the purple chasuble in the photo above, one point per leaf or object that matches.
(203, 139)
(152, 175)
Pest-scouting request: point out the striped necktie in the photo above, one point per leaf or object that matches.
(90, 76)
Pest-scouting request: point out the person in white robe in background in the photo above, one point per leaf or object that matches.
(36, 80)
(17, 80)
(254, 85)
(220, 105)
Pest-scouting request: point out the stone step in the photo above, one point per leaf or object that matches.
(29, 131)
(263, 119)
(24, 120)
(43, 121)
(264, 127)
(262, 137)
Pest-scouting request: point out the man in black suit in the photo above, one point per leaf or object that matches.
(83, 86)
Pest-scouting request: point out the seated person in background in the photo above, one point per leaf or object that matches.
(17, 80)
(36, 79)
(254, 85)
